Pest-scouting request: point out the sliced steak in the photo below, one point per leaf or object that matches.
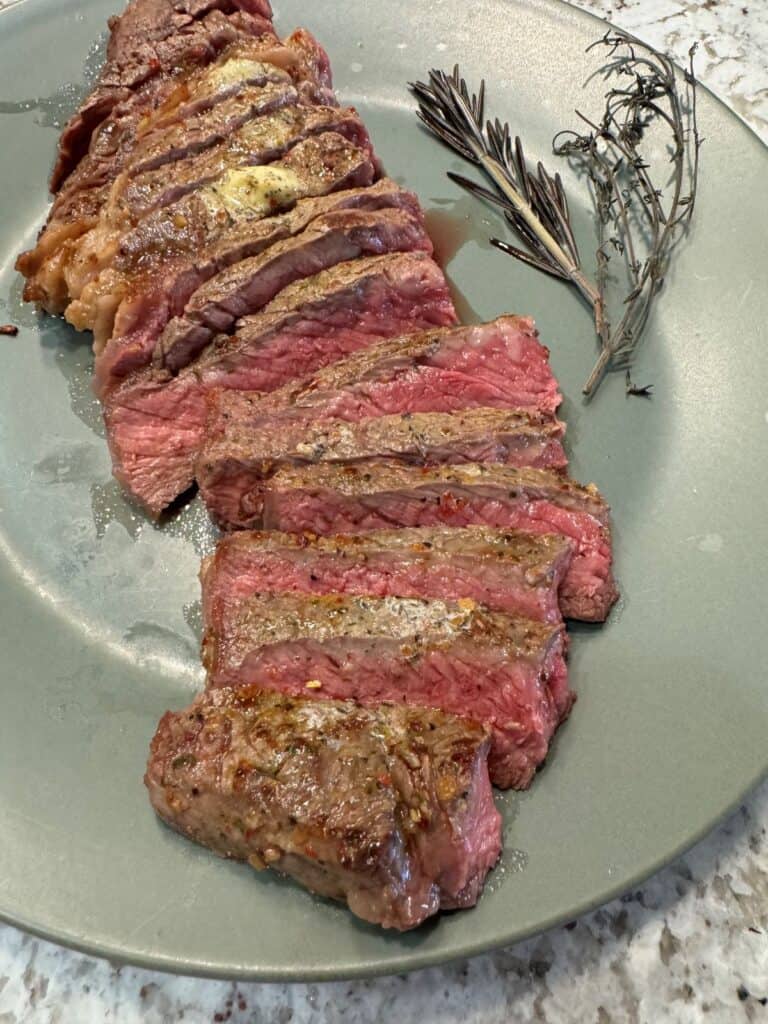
(131, 197)
(505, 570)
(240, 70)
(152, 39)
(500, 364)
(156, 423)
(197, 133)
(514, 437)
(505, 672)
(159, 102)
(393, 383)
(251, 284)
(161, 262)
(248, 286)
(214, 196)
(262, 139)
(240, 465)
(327, 499)
(388, 809)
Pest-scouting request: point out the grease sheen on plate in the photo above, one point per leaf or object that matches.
(97, 621)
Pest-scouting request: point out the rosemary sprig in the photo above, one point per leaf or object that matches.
(534, 204)
(633, 219)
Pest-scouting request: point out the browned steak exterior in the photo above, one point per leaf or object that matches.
(388, 809)
(506, 571)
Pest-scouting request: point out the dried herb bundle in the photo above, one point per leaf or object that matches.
(635, 221)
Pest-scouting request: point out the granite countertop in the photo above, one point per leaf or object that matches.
(690, 945)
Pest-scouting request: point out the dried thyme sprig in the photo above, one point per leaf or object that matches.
(632, 217)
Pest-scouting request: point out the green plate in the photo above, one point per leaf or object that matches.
(99, 613)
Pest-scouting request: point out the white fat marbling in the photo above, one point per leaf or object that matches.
(690, 945)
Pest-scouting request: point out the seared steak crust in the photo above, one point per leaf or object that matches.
(241, 464)
(388, 808)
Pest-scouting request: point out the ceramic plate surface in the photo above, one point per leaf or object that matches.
(99, 613)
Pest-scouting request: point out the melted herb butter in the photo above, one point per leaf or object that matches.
(254, 191)
(238, 69)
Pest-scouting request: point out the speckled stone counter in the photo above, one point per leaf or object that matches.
(690, 945)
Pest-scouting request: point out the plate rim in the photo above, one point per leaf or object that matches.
(413, 960)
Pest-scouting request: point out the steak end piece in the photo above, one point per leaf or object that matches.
(508, 673)
(388, 809)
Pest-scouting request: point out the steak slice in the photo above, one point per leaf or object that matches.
(156, 423)
(153, 39)
(327, 499)
(392, 383)
(246, 287)
(500, 364)
(240, 465)
(171, 252)
(251, 284)
(505, 570)
(212, 189)
(505, 672)
(388, 809)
